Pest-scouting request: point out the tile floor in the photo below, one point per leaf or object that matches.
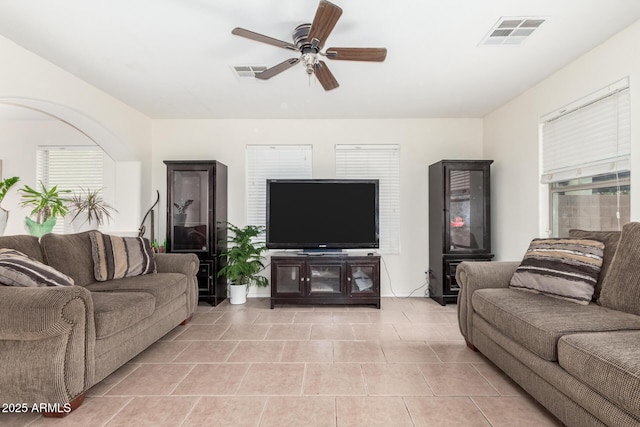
(403, 365)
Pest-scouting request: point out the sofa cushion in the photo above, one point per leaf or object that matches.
(621, 286)
(164, 287)
(116, 311)
(607, 362)
(610, 240)
(28, 245)
(116, 257)
(70, 254)
(17, 269)
(537, 321)
(561, 268)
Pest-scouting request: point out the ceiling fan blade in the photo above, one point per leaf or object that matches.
(375, 54)
(325, 77)
(270, 72)
(326, 18)
(262, 38)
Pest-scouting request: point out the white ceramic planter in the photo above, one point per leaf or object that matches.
(237, 294)
(4, 217)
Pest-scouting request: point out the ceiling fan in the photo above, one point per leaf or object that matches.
(309, 39)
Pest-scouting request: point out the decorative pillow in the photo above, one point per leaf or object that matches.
(610, 240)
(17, 269)
(116, 257)
(621, 286)
(561, 268)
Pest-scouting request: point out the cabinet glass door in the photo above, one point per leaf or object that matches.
(190, 231)
(324, 279)
(361, 279)
(466, 222)
(289, 279)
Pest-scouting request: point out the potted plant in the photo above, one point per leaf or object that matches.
(5, 185)
(244, 261)
(88, 207)
(181, 217)
(47, 204)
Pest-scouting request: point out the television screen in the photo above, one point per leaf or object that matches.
(322, 214)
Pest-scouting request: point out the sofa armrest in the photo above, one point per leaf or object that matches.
(472, 276)
(187, 264)
(47, 340)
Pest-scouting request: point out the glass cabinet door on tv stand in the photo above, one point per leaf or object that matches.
(459, 222)
(196, 219)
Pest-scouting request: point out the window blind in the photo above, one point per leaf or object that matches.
(272, 162)
(590, 139)
(380, 162)
(70, 168)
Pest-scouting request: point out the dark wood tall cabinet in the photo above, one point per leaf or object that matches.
(459, 222)
(196, 220)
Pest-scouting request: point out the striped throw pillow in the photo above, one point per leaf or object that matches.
(561, 268)
(18, 269)
(116, 257)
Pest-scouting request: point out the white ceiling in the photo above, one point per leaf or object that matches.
(174, 58)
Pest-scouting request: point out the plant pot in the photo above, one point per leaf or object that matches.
(79, 224)
(237, 294)
(37, 229)
(4, 217)
(179, 219)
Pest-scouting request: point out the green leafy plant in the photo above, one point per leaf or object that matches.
(5, 186)
(244, 256)
(47, 203)
(91, 203)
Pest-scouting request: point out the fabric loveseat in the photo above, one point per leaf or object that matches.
(582, 362)
(58, 341)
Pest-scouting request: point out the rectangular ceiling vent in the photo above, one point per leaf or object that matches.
(244, 71)
(511, 30)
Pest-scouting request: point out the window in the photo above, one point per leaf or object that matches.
(272, 162)
(585, 162)
(70, 168)
(380, 162)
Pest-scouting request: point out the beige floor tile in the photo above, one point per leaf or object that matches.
(151, 380)
(515, 411)
(418, 332)
(408, 352)
(395, 379)
(397, 304)
(205, 318)
(456, 379)
(20, 419)
(372, 412)
(94, 411)
(161, 352)
(246, 317)
(207, 351)
(376, 332)
(107, 384)
(227, 411)
(274, 379)
(313, 317)
(429, 317)
(499, 380)
(456, 352)
(154, 412)
(275, 317)
(332, 332)
(351, 317)
(202, 332)
(388, 316)
(300, 331)
(212, 379)
(308, 352)
(257, 351)
(299, 411)
(334, 379)
(357, 352)
(245, 332)
(451, 332)
(437, 411)
(178, 330)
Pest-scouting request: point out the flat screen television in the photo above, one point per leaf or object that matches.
(322, 214)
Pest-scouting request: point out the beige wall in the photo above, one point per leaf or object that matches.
(422, 142)
(511, 139)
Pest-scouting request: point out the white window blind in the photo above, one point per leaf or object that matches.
(591, 138)
(273, 162)
(70, 168)
(380, 162)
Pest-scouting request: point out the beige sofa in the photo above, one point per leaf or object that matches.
(56, 342)
(582, 362)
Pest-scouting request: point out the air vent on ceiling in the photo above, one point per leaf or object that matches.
(243, 71)
(511, 30)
